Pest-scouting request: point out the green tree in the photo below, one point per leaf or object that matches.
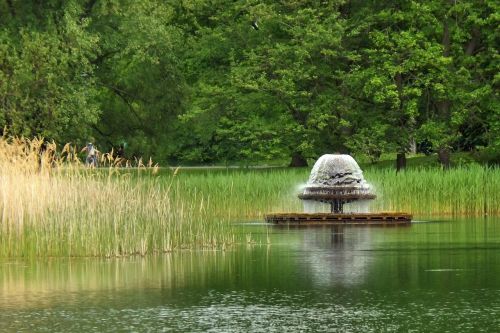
(141, 86)
(397, 65)
(464, 96)
(46, 77)
(205, 81)
(277, 71)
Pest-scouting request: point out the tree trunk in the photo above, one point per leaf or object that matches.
(446, 38)
(403, 123)
(87, 9)
(444, 157)
(400, 161)
(298, 160)
(474, 42)
(445, 105)
(11, 8)
(413, 146)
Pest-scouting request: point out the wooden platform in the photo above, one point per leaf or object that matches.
(384, 218)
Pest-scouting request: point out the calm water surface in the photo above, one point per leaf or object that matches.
(429, 277)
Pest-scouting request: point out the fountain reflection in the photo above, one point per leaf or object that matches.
(333, 254)
(337, 236)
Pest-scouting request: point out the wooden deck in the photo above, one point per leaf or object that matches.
(384, 218)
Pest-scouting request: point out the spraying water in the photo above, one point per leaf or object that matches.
(337, 181)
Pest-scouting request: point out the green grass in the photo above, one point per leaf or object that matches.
(67, 210)
(97, 214)
(463, 191)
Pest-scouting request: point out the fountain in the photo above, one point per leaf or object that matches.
(337, 180)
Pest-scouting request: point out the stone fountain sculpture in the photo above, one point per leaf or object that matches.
(336, 179)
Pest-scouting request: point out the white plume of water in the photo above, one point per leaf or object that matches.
(339, 173)
(311, 206)
(337, 170)
(362, 206)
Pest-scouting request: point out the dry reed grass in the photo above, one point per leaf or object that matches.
(53, 206)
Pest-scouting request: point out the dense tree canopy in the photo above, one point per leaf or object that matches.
(225, 81)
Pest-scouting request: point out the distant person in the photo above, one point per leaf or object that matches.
(41, 152)
(92, 154)
(120, 153)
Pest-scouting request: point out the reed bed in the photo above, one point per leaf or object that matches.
(52, 206)
(240, 195)
(462, 191)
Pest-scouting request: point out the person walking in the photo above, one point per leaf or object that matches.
(92, 155)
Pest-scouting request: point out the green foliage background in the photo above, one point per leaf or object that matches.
(219, 81)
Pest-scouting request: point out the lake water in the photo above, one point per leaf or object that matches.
(441, 276)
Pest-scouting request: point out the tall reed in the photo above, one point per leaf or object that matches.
(462, 191)
(52, 206)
